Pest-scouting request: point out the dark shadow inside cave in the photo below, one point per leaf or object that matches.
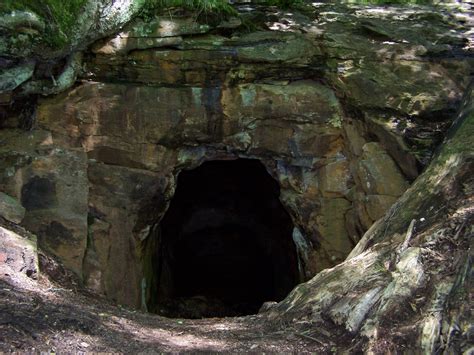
(225, 244)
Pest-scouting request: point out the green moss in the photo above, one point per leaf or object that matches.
(461, 138)
(59, 16)
(335, 121)
(145, 252)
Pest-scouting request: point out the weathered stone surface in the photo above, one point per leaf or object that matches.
(361, 210)
(51, 183)
(377, 205)
(202, 59)
(55, 196)
(18, 254)
(123, 117)
(329, 221)
(391, 138)
(342, 146)
(17, 150)
(165, 27)
(123, 45)
(378, 172)
(354, 135)
(116, 125)
(394, 86)
(11, 209)
(300, 101)
(11, 78)
(274, 47)
(116, 196)
(155, 33)
(334, 179)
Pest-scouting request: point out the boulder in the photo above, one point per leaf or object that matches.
(11, 209)
(18, 255)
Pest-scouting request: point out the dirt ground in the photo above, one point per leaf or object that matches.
(42, 315)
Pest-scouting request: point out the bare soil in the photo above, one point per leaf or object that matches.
(46, 315)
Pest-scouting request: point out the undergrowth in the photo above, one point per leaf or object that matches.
(205, 6)
(60, 16)
(207, 9)
(210, 7)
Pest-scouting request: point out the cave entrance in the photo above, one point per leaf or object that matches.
(225, 245)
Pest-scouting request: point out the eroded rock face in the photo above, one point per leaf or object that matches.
(342, 122)
(410, 272)
(51, 183)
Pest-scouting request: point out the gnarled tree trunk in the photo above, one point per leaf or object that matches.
(408, 283)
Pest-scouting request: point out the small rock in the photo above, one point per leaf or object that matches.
(19, 253)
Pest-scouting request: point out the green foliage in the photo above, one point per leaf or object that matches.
(60, 16)
(209, 7)
(218, 7)
(284, 3)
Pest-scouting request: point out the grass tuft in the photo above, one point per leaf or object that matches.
(215, 7)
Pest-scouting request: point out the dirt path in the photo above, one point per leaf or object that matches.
(41, 316)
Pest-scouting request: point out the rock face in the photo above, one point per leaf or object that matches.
(343, 122)
(51, 184)
(407, 282)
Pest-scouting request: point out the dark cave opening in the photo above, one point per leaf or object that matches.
(225, 244)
